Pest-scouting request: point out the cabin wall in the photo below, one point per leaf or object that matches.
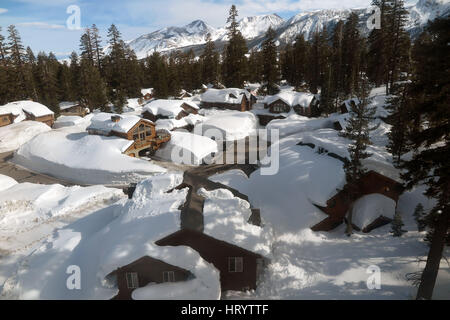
(279, 106)
(217, 252)
(148, 270)
(6, 119)
(218, 105)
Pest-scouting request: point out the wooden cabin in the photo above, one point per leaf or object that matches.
(147, 94)
(231, 99)
(142, 132)
(6, 119)
(279, 106)
(286, 101)
(72, 109)
(143, 271)
(239, 268)
(48, 119)
(337, 207)
(168, 109)
(347, 105)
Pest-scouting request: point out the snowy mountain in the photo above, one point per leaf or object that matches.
(193, 35)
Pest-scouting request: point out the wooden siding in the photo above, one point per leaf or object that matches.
(6, 119)
(148, 270)
(279, 106)
(217, 252)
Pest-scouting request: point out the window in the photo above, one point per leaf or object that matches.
(168, 276)
(132, 280)
(235, 264)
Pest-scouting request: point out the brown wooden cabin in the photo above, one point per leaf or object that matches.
(346, 106)
(187, 110)
(245, 105)
(143, 133)
(144, 271)
(278, 106)
(338, 205)
(75, 110)
(6, 119)
(47, 119)
(239, 268)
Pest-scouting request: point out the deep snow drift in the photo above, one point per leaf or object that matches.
(14, 135)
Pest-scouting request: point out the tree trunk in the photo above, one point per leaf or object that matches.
(430, 272)
(349, 229)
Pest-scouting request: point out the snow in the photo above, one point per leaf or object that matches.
(295, 123)
(167, 108)
(291, 98)
(6, 182)
(102, 122)
(34, 108)
(187, 148)
(225, 218)
(224, 95)
(67, 104)
(370, 207)
(171, 124)
(82, 158)
(146, 90)
(67, 121)
(15, 135)
(229, 125)
(111, 238)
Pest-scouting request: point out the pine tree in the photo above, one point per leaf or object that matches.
(17, 62)
(419, 217)
(86, 48)
(378, 41)
(270, 73)
(299, 66)
(158, 78)
(357, 130)
(210, 62)
(93, 91)
(235, 62)
(430, 138)
(97, 49)
(396, 226)
(351, 55)
(337, 80)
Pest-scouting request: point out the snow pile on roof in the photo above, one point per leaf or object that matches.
(147, 90)
(187, 148)
(6, 182)
(102, 122)
(170, 124)
(108, 239)
(14, 109)
(230, 95)
(67, 121)
(370, 207)
(167, 108)
(225, 218)
(348, 103)
(17, 134)
(291, 98)
(83, 158)
(34, 108)
(230, 125)
(296, 123)
(67, 104)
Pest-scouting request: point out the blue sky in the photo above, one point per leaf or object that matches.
(42, 23)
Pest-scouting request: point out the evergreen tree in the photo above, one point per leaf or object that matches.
(210, 62)
(97, 49)
(351, 55)
(430, 138)
(17, 63)
(337, 95)
(396, 226)
(299, 66)
(93, 91)
(255, 64)
(270, 73)
(357, 130)
(419, 217)
(235, 62)
(158, 78)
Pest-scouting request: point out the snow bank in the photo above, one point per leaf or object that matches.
(370, 207)
(17, 134)
(231, 125)
(83, 158)
(296, 123)
(6, 182)
(187, 148)
(102, 242)
(225, 218)
(171, 124)
(67, 121)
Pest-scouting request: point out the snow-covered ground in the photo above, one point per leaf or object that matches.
(78, 157)
(16, 134)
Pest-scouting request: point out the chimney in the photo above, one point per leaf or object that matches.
(115, 118)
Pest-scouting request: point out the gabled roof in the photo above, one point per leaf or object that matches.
(291, 98)
(68, 104)
(18, 107)
(230, 95)
(168, 108)
(102, 122)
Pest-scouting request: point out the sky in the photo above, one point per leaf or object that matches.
(42, 24)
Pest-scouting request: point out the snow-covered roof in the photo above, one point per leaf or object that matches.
(187, 148)
(225, 218)
(370, 207)
(167, 108)
(233, 125)
(67, 104)
(230, 95)
(291, 98)
(348, 103)
(170, 124)
(102, 122)
(147, 90)
(6, 182)
(18, 107)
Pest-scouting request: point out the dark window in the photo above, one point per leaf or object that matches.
(235, 264)
(168, 276)
(132, 280)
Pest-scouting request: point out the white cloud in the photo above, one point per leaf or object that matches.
(3, 10)
(41, 25)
